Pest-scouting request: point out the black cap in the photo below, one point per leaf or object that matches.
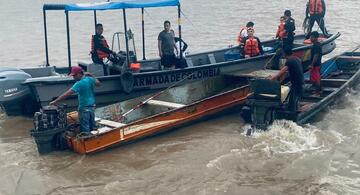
(250, 24)
(287, 13)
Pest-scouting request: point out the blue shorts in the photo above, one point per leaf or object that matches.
(87, 119)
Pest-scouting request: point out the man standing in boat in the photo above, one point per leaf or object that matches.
(288, 39)
(314, 67)
(316, 9)
(293, 66)
(166, 46)
(100, 48)
(84, 88)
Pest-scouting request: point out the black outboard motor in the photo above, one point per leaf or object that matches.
(265, 98)
(50, 125)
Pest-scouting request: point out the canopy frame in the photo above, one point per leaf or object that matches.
(125, 4)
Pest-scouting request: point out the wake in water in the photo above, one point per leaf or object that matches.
(322, 157)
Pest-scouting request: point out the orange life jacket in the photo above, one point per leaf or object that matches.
(239, 38)
(100, 53)
(315, 7)
(251, 47)
(136, 66)
(281, 33)
(320, 39)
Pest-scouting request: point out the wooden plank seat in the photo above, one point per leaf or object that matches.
(333, 82)
(165, 104)
(108, 126)
(109, 123)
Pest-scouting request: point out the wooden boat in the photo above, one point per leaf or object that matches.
(47, 83)
(338, 74)
(176, 107)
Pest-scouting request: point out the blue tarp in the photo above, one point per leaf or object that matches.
(125, 4)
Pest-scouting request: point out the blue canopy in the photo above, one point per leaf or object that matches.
(124, 4)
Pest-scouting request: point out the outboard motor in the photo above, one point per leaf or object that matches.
(12, 93)
(50, 125)
(267, 97)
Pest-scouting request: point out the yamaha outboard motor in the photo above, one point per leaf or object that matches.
(12, 93)
(50, 125)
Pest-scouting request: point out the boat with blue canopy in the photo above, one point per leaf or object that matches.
(43, 84)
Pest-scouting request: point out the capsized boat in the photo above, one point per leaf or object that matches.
(121, 123)
(338, 74)
(47, 83)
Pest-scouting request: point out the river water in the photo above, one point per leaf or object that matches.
(210, 157)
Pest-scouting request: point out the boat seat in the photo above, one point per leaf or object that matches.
(165, 104)
(109, 123)
(212, 58)
(101, 130)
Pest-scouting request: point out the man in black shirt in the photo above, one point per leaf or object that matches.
(100, 48)
(288, 40)
(293, 65)
(316, 55)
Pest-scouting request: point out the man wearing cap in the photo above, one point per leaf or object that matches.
(84, 88)
(288, 41)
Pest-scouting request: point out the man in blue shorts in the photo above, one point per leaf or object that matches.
(84, 88)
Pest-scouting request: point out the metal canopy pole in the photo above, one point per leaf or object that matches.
(179, 23)
(143, 32)
(68, 37)
(95, 20)
(126, 39)
(46, 41)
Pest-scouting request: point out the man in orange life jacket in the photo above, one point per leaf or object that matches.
(316, 9)
(281, 33)
(100, 48)
(243, 32)
(252, 45)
